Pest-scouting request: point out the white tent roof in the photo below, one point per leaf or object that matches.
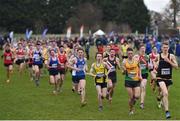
(99, 32)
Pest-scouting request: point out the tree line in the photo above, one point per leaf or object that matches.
(57, 15)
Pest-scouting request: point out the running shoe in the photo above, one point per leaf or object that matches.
(168, 116)
(131, 112)
(83, 104)
(142, 105)
(100, 108)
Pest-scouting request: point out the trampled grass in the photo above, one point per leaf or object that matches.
(20, 99)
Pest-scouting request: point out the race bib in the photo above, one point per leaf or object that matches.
(62, 65)
(132, 74)
(37, 58)
(20, 57)
(8, 58)
(113, 69)
(81, 67)
(143, 66)
(54, 65)
(100, 74)
(150, 65)
(165, 71)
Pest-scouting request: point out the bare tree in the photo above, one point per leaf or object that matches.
(172, 12)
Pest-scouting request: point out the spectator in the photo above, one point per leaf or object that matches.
(178, 52)
(149, 47)
(87, 47)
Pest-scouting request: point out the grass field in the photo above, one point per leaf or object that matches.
(20, 99)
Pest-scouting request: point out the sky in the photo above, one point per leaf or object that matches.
(156, 5)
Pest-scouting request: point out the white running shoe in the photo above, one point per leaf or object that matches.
(131, 112)
(160, 104)
(7, 81)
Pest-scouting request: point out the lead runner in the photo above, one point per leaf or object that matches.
(165, 63)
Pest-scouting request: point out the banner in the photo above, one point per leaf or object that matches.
(90, 33)
(68, 35)
(11, 36)
(111, 34)
(81, 31)
(44, 33)
(28, 34)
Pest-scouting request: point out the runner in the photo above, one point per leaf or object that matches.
(152, 64)
(143, 59)
(71, 62)
(113, 62)
(55, 47)
(8, 61)
(124, 48)
(45, 53)
(37, 63)
(132, 79)
(107, 51)
(30, 60)
(81, 68)
(20, 57)
(52, 65)
(99, 71)
(62, 66)
(166, 62)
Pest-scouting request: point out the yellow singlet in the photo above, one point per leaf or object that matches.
(132, 71)
(100, 70)
(124, 49)
(45, 53)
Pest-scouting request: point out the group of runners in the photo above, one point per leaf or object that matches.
(135, 65)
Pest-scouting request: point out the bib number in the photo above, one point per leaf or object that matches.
(54, 65)
(132, 74)
(143, 66)
(8, 58)
(165, 71)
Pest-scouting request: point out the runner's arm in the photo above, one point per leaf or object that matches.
(70, 64)
(91, 71)
(123, 67)
(85, 66)
(118, 63)
(173, 61)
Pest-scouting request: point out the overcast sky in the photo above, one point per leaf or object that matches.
(156, 5)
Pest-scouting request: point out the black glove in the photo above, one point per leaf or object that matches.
(104, 76)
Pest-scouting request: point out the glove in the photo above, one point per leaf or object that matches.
(104, 76)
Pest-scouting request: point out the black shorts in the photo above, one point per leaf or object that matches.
(112, 77)
(43, 60)
(167, 82)
(102, 85)
(132, 84)
(30, 65)
(151, 70)
(78, 78)
(7, 65)
(62, 71)
(26, 60)
(74, 79)
(19, 61)
(39, 65)
(53, 72)
(124, 57)
(144, 76)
